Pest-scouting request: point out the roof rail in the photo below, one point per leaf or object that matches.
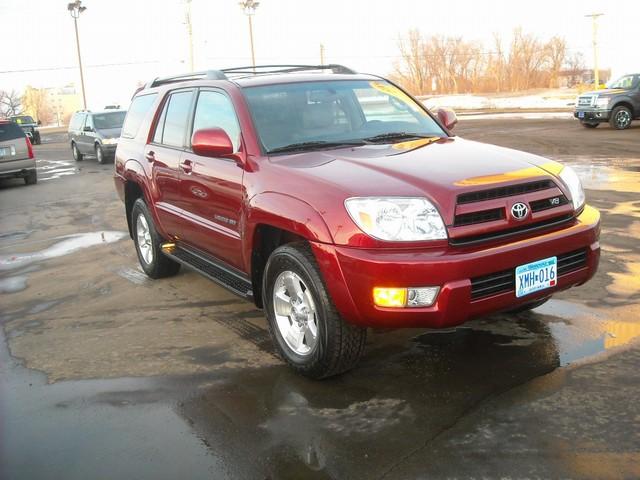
(204, 75)
(248, 70)
(266, 69)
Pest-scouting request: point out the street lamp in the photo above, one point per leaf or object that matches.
(594, 33)
(75, 9)
(249, 8)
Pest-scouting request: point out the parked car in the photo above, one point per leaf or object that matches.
(95, 133)
(618, 104)
(16, 154)
(336, 201)
(29, 126)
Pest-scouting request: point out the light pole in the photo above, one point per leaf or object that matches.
(249, 8)
(75, 9)
(596, 71)
(187, 15)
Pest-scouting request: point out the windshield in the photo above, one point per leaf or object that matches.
(628, 81)
(103, 121)
(23, 119)
(309, 115)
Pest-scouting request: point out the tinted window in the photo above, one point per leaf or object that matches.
(76, 121)
(175, 119)
(108, 120)
(23, 119)
(10, 131)
(216, 110)
(137, 111)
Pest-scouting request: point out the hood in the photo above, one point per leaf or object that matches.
(110, 132)
(605, 91)
(438, 170)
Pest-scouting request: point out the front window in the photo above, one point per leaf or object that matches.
(23, 119)
(104, 121)
(335, 113)
(626, 82)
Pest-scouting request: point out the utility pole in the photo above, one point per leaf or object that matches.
(249, 8)
(187, 15)
(75, 9)
(596, 70)
(321, 54)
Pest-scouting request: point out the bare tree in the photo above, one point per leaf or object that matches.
(557, 55)
(36, 102)
(9, 103)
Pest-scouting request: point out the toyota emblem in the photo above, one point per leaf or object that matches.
(519, 211)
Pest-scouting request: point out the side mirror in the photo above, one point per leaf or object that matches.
(211, 142)
(87, 129)
(448, 117)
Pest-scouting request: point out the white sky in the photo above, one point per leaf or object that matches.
(148, 38)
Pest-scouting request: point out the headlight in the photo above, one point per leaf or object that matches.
(110, 141)
(397, 219)
(602, 102)
(573, 183)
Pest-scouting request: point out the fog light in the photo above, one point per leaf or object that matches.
(422, 297)
(390, 297)
(405, 297)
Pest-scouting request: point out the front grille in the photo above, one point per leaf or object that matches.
(585, 101)
(547, 203)
(504, 281)
(479, 217)
(499, 235)
(501, 192)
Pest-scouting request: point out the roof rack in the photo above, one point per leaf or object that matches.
(247, 71)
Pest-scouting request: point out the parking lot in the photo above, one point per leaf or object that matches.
(107, 374)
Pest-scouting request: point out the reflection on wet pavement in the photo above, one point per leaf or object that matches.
(619, 174)
(52, 169)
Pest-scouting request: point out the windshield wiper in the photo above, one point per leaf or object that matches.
(391, 136)
(314, 145)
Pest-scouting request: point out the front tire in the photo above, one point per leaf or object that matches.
(147, 240)
(100, 155)
(620, 118)
(305, 326)
(77, 156)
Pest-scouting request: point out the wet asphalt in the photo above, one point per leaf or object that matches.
(106, 374)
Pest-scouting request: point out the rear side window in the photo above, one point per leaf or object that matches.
(172, 126)
(10, 131)
(137, 112)
(76, 121)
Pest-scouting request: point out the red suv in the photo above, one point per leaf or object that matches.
(336, 201)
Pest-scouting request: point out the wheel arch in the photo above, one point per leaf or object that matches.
(625, 103)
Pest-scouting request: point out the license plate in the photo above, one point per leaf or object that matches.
(580, 114)
(535, 276)
(7, 151)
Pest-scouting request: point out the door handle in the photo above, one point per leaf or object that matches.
(186, 166)
(150, 156)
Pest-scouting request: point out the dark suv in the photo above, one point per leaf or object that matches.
(29, 126)
(618, 104)
(95, 133)
(336, 201)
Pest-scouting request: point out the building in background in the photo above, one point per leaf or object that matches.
(64, 101)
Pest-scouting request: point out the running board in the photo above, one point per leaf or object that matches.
(211, 268)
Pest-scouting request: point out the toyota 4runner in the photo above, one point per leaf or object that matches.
(336, 201)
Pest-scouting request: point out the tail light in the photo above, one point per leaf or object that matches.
(29, 147)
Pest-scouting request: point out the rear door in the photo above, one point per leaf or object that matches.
(211, 188)
(164, 153)
(75, 127)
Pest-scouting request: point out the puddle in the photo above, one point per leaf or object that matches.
(625, 284)
(619, 174)
(68, 244)
(52, 169)
(13, 284)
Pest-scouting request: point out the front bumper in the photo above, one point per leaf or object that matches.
(592, 115)
(351, 273)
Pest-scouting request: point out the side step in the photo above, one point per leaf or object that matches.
(225, 276)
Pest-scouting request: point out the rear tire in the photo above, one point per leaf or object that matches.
(77, 156)
(621, 118)
(292, 273)
(31, 178)
(147, 240)
(589, 125)
(36, 138)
